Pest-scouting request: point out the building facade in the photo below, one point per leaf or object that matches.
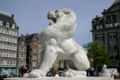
(8, 43)
(33, 51)
(21, 57)
(106, 30)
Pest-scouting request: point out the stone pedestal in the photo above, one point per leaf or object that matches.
(62, 78)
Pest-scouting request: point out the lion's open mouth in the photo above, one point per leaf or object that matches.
(52, 20)
(50, 17)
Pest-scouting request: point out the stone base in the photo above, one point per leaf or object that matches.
(62, 78)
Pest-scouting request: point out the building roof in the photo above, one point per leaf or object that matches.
(30, 37)
(116, 1)
(7, 18)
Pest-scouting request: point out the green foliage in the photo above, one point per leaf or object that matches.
(99, 54)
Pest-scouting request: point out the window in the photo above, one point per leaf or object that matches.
(2, 38)
(15, 41)
(19, 56)
(10, 32)
(22, 48)
(108, 19)
(114, 18)
(8, 62)
(5, 54)
(8, 54)
(9, 39)
(3, 46)
(34, 50)
(100, 38)
(14, 55)
(12, 40)
(2, 54)
(98, 27)
(15, 33)
(101, 27)
(12, 47)
(13, 26)
(0, 30)
(1, 22)
(6, 39)
(111, 18)
(13, 62)
(34, 57)
(8, 47)
(112, 46)
(15, 48)
(11, 55)
(7, 24)
(7, 32)
(112, 41)
(33, 64)
(112, 36)
(1, 62)
(3, 31)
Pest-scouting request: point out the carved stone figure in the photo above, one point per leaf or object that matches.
(105, 72)
(57, 42)
(104, 69)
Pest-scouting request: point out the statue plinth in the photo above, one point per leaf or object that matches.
(62, 78)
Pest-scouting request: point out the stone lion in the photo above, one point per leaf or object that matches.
(57, 42)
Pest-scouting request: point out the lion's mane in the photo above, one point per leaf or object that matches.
(63, 28)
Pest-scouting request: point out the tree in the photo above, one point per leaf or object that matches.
(99, 54)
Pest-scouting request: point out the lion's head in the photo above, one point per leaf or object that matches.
(62, 26)
(61, 15)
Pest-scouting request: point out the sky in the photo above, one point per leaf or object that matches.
(31, 15)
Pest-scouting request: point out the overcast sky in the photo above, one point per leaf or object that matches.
(31, 15)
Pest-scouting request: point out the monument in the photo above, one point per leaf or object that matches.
(105, 72)
(57, 42)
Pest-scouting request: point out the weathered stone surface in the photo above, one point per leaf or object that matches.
(61, 78)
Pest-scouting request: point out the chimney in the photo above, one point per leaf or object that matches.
(12, 15)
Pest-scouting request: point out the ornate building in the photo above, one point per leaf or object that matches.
(106, 29)
(33, 51)
(8, 43)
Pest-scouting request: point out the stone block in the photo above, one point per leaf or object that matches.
(62, 78)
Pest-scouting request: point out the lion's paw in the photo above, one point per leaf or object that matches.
(73, 73)
(36, 74)
(69, 73)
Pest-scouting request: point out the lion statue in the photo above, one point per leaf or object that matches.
(57, 42)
